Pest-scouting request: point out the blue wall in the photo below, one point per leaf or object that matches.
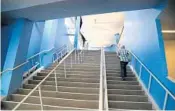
(76, 42)
(24, 39)
(5, 37)
(16, 54)
(35, 42)
(142, 35)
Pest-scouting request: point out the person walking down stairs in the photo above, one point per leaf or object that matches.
(124, 57)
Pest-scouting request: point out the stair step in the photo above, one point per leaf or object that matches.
(117, 71)
(132, 87)
(130, 105)
(9, 105)
(75, 67)
(133, 98)
(91, 104)
(118, 75)
(87, 80)
(64, 89)
(67, 95)
(68, 84)
(90, 75)
(79, 69)
(76, 64)
(61, 78)
(123, 82)
(120, 79)
(73, 72)
(126, 92)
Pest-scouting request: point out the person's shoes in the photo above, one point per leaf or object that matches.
(123, 79)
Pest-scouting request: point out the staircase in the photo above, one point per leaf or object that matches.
(79, 90)
(128, 94)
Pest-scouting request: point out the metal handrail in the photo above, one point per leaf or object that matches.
(11, 69)
(103, 96)
(22, 64)
(40, 53)
(105, 84)
(101, 83)
(152, 75)
(121, 34)
(38, 86)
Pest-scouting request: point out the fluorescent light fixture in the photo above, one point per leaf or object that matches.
(168, 31)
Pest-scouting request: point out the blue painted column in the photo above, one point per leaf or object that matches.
(35, 42)
(5, 39)
(61, 34)
(48, 41)
(77, 32)
(16, 54)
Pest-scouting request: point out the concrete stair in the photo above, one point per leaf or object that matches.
(123, 95)
(78, 91)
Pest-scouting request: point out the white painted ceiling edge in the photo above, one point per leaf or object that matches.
(99, 30)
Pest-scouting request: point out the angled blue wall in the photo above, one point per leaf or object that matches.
(5, 37)
(48, 40)
(16, 54)
(77, 32)
(61, 34)
(36, 37)
(142, 35)
(24, 39)
(34, 43)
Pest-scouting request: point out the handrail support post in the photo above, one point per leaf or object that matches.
(40, 96)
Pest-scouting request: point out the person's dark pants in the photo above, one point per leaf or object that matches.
(123, 68)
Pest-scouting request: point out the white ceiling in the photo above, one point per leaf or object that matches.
(99, 30)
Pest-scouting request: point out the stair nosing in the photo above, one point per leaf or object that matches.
(45, 105)
(65, 86)
(67, 82)
(123, 85)
(130, 102)
(126, 90)
(58, 98)
(67, 78)
(126, 95)
(59, 92)
(74, 74)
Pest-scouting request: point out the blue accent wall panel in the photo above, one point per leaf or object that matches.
(36, 36)
(145, 77)
(158, 93)
(61, 34)
(21, 56)
(142, 35)
(77, 32)
(5, 39)
(24, 39)
(11, 55)
(35, 43)
(48, 42)
(170, 103)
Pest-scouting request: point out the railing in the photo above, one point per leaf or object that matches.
(28, 60)
(103, 96)
(53, 71)
(151, 76)
(31, 59)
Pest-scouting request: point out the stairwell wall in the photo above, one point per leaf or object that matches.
(25, 38)
(143, 36)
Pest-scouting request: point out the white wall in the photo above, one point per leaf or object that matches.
(99, 30)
